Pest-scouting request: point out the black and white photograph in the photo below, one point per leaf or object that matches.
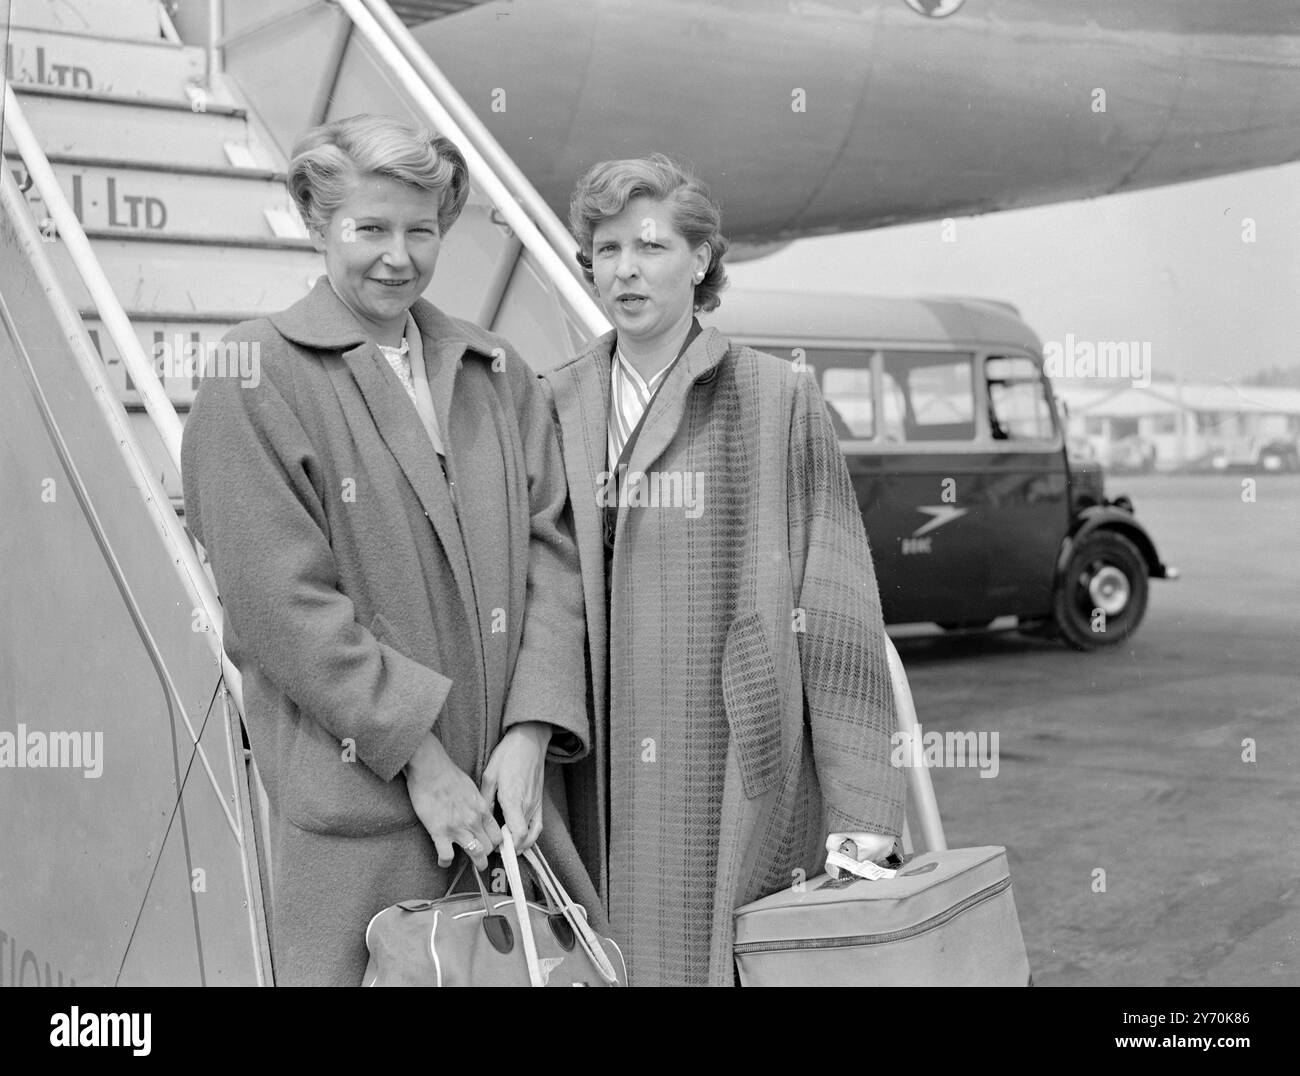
(652, 493)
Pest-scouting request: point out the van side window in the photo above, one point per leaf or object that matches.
(846, 388)
(928, 396)
(1018, 408)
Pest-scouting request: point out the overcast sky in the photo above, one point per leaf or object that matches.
(1167, 266)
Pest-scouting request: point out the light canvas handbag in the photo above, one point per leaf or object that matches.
(481, 939)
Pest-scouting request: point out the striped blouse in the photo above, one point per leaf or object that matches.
(629, 395)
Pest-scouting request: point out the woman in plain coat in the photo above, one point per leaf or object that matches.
(741, 698)
(382, 509)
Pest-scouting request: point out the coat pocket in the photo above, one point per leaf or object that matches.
(331, 791)
(752, 698)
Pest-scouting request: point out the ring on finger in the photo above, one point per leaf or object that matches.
(473, 845)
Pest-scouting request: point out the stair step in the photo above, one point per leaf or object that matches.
(156, 275)
(80, 126)
(126, 165)
(184, 104)
(161, 202)
(185, 350)
(143, 69)
(127, 19)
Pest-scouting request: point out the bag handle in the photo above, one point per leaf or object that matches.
(559, 895)
(511, 862)
(468, 864)
(555, 894)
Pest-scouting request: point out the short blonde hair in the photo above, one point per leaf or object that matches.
(606, 189)
(329, 159)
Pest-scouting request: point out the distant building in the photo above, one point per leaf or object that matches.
(1169, 426)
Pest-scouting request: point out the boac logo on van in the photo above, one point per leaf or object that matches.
(935, 9)
(939, 515)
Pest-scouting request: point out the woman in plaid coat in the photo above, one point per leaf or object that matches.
(737, 674)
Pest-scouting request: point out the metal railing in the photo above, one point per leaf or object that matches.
(918, 777)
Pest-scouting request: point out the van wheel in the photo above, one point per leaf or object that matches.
(1102, 595)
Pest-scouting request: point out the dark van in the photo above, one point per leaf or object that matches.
(953, 439)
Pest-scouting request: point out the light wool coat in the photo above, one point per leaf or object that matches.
(749, 702)
(363, 608)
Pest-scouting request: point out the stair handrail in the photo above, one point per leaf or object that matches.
(484, 174)
(918, 777)
(159, 407)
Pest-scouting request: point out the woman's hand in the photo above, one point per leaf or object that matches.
(514, 777)
(451, 808)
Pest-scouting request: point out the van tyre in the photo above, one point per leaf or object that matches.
(1102, 595)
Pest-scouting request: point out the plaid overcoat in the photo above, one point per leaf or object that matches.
(740, 698)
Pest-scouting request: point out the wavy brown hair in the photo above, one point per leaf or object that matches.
(329, 159)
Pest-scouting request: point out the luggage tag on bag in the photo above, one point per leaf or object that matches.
(872, 872)
(842, 860)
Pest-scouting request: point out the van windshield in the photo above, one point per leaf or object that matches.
(1018, 407)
